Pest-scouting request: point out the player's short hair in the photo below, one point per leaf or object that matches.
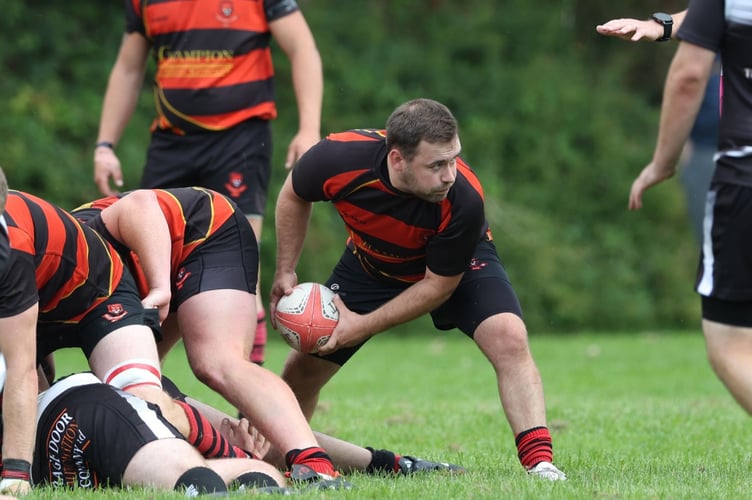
(419, 120)
(3, 191)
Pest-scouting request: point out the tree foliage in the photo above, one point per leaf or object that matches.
(556, 119)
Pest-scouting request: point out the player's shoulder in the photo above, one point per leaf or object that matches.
(367, 135)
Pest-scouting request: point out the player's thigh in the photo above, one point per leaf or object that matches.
(217, 324)
(132, 342)
(160, 463)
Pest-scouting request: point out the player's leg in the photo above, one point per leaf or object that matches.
(729, 350)
(724, 281)
(170, 335)
(248, 472)
(224, 318)
(306, 375)
(163, 464)
(485, 307)
(258, 350)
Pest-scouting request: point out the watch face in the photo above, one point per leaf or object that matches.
(662, 18)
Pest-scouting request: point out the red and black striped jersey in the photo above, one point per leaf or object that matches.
(395, 235)
(193, 215)
(56, 261)
(214, 63)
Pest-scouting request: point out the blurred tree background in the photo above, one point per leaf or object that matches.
(556, 119)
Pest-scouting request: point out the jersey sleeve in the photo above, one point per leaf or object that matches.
(276, 9)
(704, 24)
(449, 252)
(313, 169)
(134, 22)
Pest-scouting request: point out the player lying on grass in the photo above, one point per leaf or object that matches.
(194, 256)
(92, 435)
(419, 243)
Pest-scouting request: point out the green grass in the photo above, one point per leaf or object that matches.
(632, 416)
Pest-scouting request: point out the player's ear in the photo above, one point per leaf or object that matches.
(396, 159)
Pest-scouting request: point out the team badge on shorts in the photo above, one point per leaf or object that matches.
(115, 312)
(477, 264)
(181, 277)
(236, 185)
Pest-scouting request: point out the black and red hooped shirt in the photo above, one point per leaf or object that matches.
(395, 235)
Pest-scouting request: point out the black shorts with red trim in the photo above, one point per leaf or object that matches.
(88, 434)
(484, 291)
(724, 278)
(122, 308)
(226, 260)
(235, 162)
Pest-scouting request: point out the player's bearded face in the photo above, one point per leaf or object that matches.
(432, 171)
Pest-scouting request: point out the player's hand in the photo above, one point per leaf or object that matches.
(242, 434)
(650, 176)
(302, 142)
(106, 167)
(631, 29)
(158, 298)
(346, 333)
(283, 285)
(10, 488)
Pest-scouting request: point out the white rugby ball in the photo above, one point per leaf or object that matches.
(307, 316)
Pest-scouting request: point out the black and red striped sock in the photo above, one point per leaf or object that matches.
(534, 446)
(314, 457)
(206, 438)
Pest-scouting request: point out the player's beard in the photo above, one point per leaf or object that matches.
(412, 186)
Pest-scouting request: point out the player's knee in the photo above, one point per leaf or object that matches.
(201, 481)
(250, 480)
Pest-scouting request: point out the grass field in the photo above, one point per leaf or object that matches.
(632, 416)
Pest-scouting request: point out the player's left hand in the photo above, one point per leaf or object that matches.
(650, 176)
(158, 298)
(631, 29)
(14, 487)
(242, 434)
(301, 143)
(348, 331)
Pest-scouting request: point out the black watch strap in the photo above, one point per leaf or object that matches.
(667, 22)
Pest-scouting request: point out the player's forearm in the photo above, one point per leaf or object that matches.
(678, 19)
(417, 300)
(291, 224)
(119, 102)
(19, 413)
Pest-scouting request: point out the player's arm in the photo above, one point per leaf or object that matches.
(292, 216)
(294, 37)
(120, 99)
(415, 301)
(635, 29)
(682, 95)
(137, 221)
(18, 345)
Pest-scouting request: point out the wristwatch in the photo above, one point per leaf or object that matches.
(667, 22)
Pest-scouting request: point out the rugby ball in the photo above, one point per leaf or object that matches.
(307, 316)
